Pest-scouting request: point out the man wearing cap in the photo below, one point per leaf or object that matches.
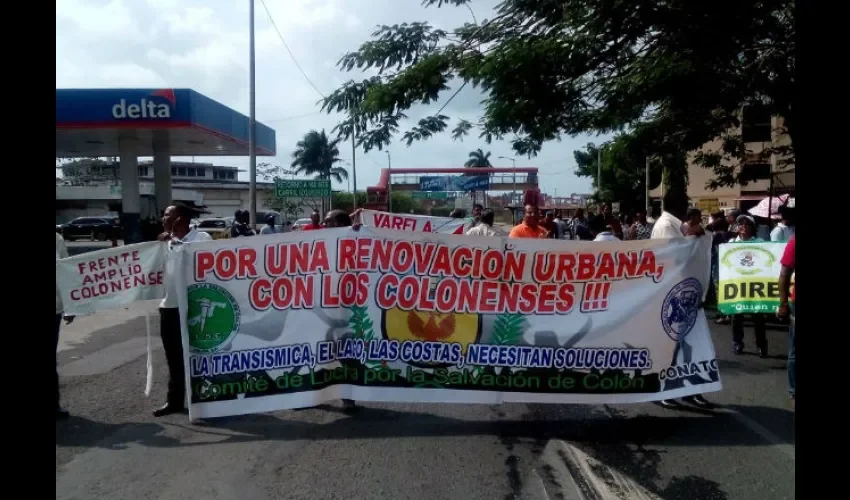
(177, 232)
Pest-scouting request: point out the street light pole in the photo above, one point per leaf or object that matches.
(389, 182)
(252, 123)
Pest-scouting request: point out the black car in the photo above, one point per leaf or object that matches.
(93, 228)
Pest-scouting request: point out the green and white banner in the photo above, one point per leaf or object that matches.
(298, 319)
(749, 277)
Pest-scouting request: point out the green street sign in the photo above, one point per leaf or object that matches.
(301, 189)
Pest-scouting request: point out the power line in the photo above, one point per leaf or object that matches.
(286, 45)
(294, 117)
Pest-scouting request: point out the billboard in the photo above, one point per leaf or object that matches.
(454, 183)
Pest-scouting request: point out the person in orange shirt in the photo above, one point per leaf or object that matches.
(530, 225)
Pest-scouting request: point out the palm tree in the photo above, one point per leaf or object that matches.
(477, 159)
(316, 155)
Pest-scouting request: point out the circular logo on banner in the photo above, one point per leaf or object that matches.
(212, 317)
(680, 308)
(747, 259)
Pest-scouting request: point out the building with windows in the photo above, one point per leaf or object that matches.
(763, 169)
(93, 188)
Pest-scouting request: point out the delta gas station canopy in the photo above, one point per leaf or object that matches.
(176, 122)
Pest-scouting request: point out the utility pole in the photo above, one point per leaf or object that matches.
(354, 166)
(389, 182)
(252, 122)
(599, 170)
(513, 160)
(648, 205)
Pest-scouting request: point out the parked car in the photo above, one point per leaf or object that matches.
(94, 228)
(217, 227)
(300, 223)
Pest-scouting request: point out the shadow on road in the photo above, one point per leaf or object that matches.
(678, 429)
(83, 432)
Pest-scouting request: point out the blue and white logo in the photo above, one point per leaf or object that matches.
(680, 309)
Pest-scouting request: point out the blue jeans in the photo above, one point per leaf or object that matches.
(792, 355)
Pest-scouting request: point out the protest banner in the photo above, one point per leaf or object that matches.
(112, 277)
(388, 316)
(296, 320)
(749, 277)
(414, 223)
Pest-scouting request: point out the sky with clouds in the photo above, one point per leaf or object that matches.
(203, 45)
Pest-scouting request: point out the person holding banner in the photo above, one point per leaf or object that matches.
(485, 225)
(338, 218)
(785, 311)
(530, 225)
(176, 222)
(61, 253)
(670, 225)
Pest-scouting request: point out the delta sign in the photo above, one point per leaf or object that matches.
(149, 107)
(196, 124)
(133, 107)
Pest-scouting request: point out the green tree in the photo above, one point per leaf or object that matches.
(316, 155)
(477, 159)
(623, 172)
(403, 203)
(681, 69)
(345, 201)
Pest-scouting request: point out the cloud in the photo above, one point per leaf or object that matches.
(203, 45)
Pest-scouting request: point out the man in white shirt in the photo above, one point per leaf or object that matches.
(269, 227)
(485, 226)
(177, 232)
(785, 229)
(668, 226)
(61, 253)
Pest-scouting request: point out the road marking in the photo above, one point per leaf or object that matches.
(581, 477)
(788, 450)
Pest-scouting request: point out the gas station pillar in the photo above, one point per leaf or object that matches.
(130, 200)
(162, 180)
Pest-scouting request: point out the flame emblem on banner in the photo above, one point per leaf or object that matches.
(431, 326)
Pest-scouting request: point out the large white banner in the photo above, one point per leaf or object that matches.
(414, 223)
(295, 320)
(111, 278)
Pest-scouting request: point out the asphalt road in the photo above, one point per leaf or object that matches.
(113, 448)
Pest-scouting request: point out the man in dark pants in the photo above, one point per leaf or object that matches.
(177, 232)
(668, 226)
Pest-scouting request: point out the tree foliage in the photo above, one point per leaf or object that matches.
(478, 159)
(681, 69)
(316, 155)
(623, 172)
